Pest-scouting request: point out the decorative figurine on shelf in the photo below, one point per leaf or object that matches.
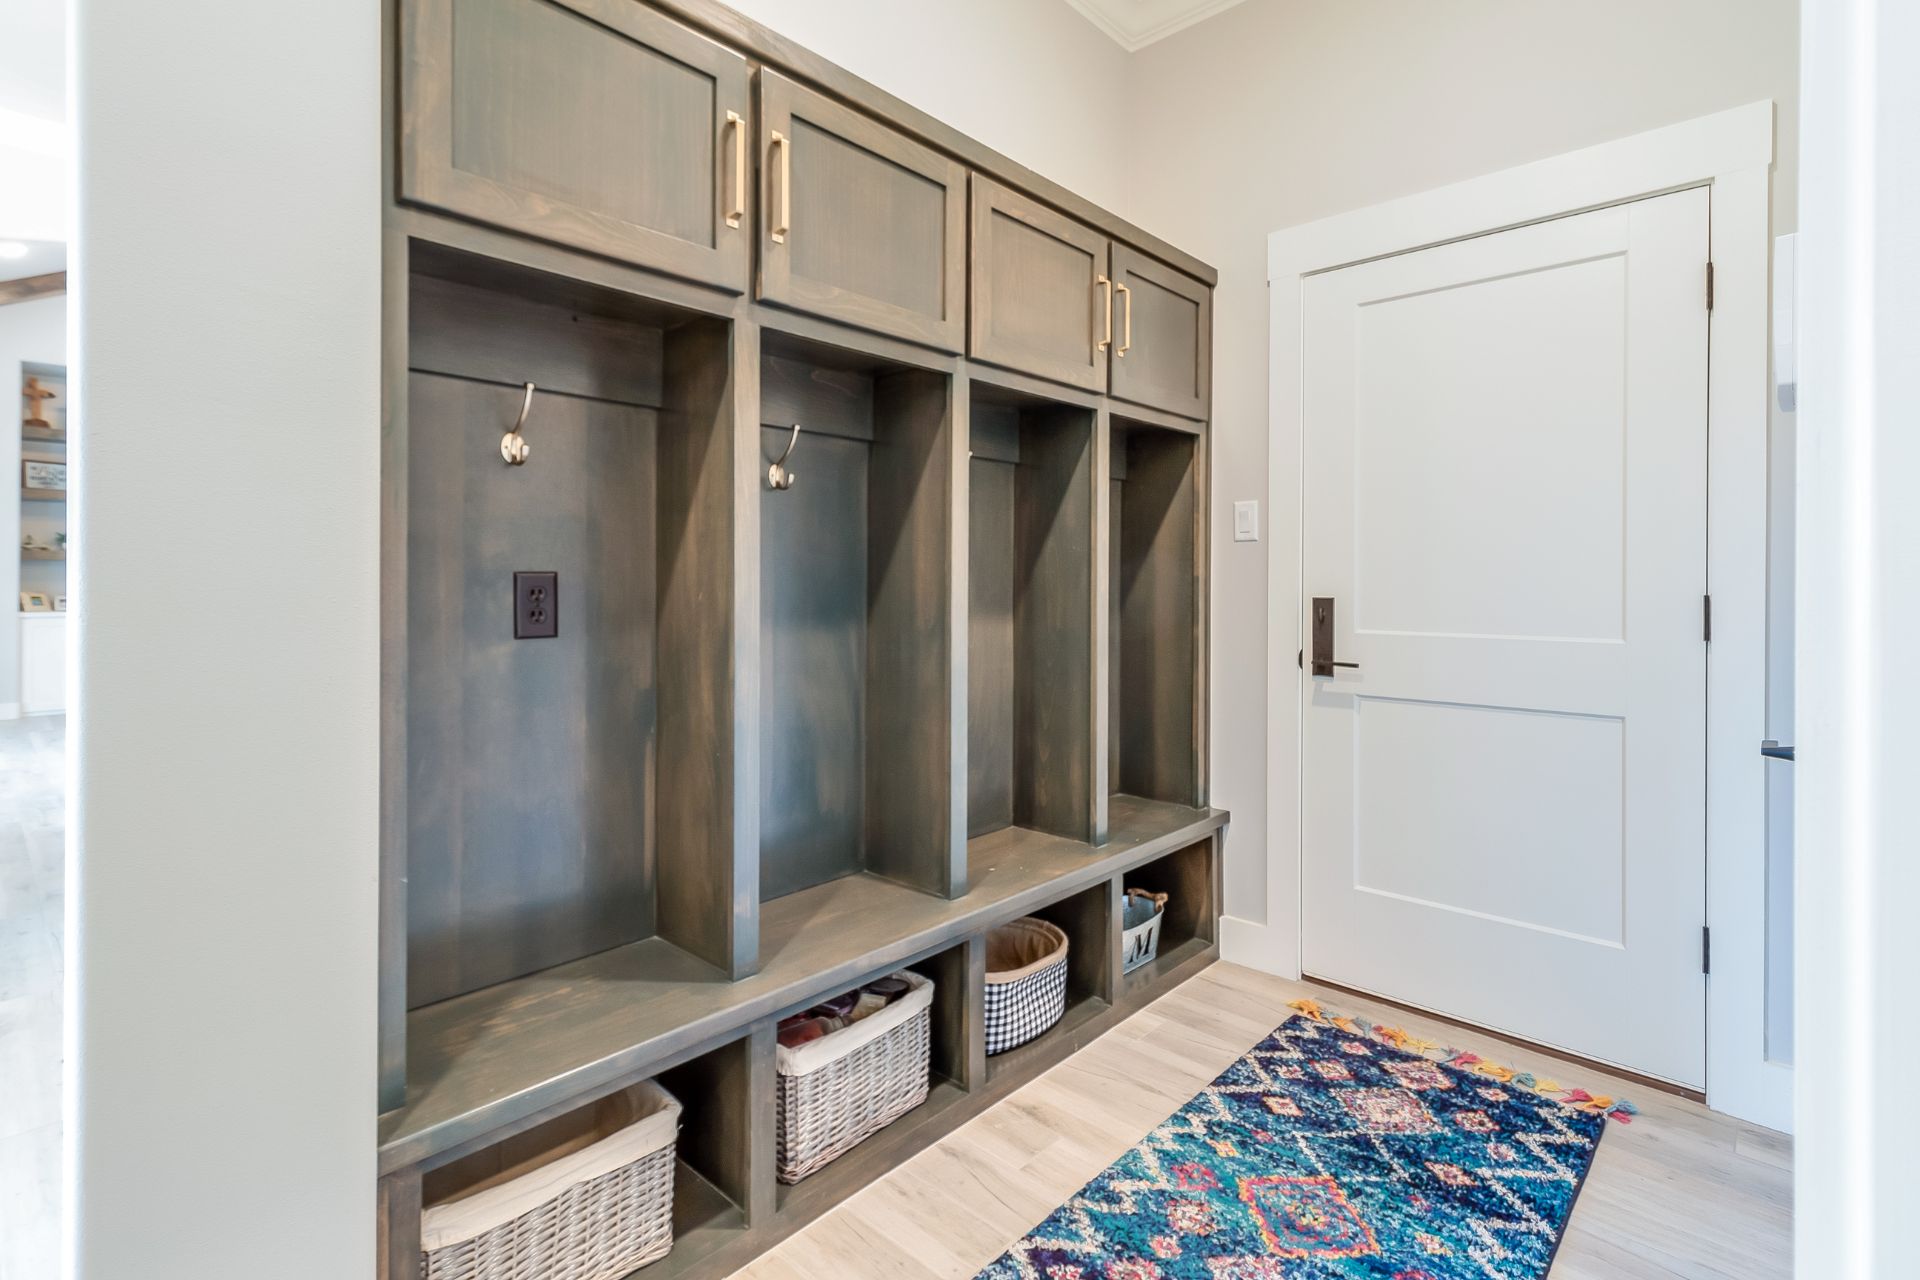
(37, 397)
(27, 543)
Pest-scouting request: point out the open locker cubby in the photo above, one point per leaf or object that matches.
(1154, 597)
(1030, 751)
(1188, 877)
(569, 794)
(857, 707)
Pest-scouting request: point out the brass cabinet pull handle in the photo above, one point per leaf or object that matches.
(783, 218)
(1106, 309)
(737, 210)
(1126, 323)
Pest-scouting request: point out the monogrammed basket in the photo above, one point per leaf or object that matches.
(1140, 939)
(595, 1205)
(1026, 981)
(839, 1090)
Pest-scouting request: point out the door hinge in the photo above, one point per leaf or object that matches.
(1706, 949)
(1706, 618)
(1301, 659)
(1709, 286)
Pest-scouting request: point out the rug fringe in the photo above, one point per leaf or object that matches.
(1613, 1108)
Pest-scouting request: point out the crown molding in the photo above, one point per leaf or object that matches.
(1135, 24)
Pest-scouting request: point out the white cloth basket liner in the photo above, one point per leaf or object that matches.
(445, 1225)
(805, 1059)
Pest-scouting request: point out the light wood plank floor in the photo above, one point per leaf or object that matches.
(1680, 1192)
(32, 855)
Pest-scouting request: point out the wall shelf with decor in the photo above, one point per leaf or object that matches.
(39, 530)
(745, 629)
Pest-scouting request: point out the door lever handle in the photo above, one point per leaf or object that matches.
(1774, 751)
(1323, 663)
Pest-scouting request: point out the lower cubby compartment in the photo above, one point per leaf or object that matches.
(1088, 918)
(1187, 922)
(931, 1080)
(650, 1177)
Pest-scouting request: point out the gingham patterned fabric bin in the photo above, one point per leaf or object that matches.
(1026, 981)
(586, 1197)
(839, 1090)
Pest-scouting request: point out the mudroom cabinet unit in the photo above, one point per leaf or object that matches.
(793, 571)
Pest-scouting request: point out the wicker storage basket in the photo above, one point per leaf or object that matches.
(585, 1197)
(839, 1090)
(1141, 940)
(1026, 981)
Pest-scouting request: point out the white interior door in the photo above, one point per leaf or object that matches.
(1503, 804)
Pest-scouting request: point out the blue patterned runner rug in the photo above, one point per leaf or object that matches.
(1327, 1154)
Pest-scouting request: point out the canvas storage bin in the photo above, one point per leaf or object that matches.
(1026, 981)
(1141, 940)
(839, 1090)
(586, 1197)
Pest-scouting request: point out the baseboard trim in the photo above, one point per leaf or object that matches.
(1254, 945)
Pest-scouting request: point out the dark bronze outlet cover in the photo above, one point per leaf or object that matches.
(536, 605)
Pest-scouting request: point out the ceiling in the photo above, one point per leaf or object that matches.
(43, 258)
(1135, 24)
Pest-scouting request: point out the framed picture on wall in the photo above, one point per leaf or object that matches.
(35, 602)
(43, 475)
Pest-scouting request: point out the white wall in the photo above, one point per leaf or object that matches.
(221, 878)
(1030, 78)
(30, 333)
(1856, 1176)
(1280, 112)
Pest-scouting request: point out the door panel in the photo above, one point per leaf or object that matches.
(1503, 805)
(1039, 304)
(596, 124)
(871, 226)
(1164, 337)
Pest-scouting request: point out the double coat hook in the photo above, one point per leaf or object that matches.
(513, 446)
(778, 476)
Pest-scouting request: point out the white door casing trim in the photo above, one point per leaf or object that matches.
(1730, 152)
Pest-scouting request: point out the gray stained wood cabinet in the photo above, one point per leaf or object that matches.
(1042, 298)
(597, 124)
(858, 223)
(1163, 335)
(786, 738)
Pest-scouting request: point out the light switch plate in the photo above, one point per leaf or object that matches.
(1246, 521)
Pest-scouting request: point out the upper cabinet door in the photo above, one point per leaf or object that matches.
(1163, 337)
(857, 223)
(1042, 300)
(597, 124)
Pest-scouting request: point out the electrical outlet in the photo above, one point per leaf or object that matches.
(536, 605)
